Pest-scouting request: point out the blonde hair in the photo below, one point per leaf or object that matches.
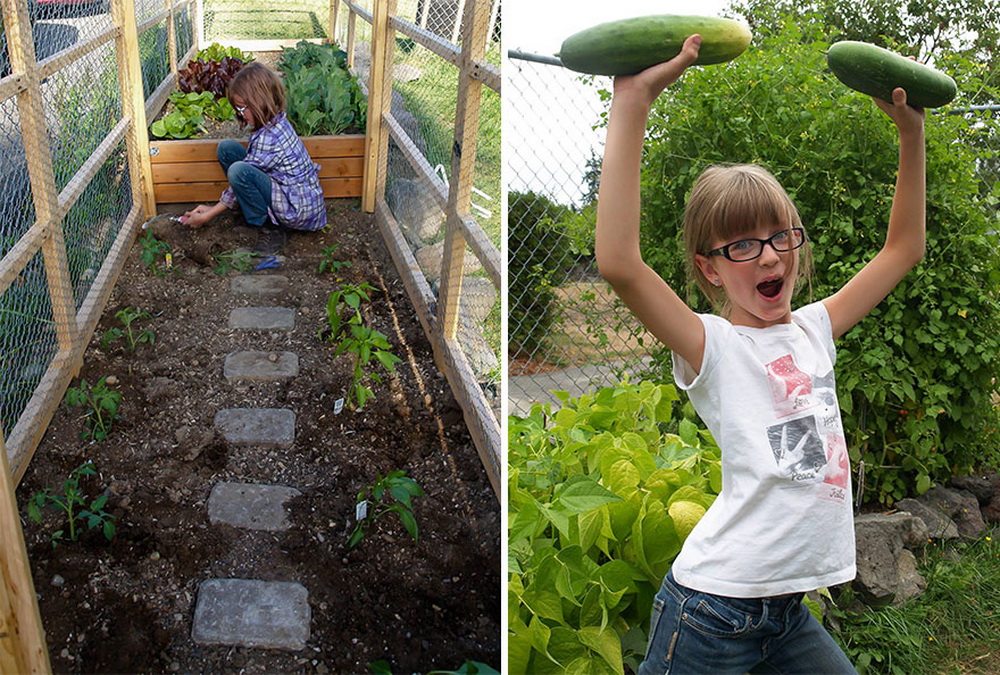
(727, 202)
(261, 90)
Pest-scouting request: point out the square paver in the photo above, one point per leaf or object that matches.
(260, 366)
(262, 318)
(251, 506)
(252, 613)
(267, 427)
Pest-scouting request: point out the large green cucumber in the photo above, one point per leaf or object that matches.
(876, 71)
(627, 46)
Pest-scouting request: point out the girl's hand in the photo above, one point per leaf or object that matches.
(650, 82)
(198, 216)
(907, 118)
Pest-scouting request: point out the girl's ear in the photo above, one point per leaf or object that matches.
(707, 267)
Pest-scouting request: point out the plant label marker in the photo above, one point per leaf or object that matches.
(170, 261)
(338, 406)
(361, 510)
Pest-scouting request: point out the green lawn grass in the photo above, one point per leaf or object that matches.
(953, 627)
(261, 20)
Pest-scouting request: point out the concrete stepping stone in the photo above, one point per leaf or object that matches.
(262, 318)
(269, 284)
(267, 427)
(251, 506)
(252, 613)
(260, 366)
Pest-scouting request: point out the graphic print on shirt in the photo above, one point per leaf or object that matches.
(798, 449)
(809, 449)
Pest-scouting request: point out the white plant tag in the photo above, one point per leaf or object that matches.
(338, 405)
(361, 510)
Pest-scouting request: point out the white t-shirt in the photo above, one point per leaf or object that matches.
(783, 522)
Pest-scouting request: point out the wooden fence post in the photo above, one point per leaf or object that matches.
(171, 37)
(463, 165)
(22, 639)
(38, 154)
(334, 15)
(379, 102)
(133, 104)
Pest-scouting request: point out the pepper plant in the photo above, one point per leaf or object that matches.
(392, 493)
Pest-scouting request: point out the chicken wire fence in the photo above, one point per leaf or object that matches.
(64, 117)
(67, 186)
(425, 86)
(567, 331)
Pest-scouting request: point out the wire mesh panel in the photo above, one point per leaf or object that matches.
(566, 330)
(228, 20)
(428, 92)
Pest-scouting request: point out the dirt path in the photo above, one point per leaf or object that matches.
(127, 605)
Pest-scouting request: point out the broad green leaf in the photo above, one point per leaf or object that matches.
(622, 477)
(606, 643)
(543, 603)
(580, 494)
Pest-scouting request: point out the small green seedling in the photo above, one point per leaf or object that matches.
(133, 338)
(72, 502)
(101, 406)
(347, 297)
(366, 344)
(390, 494)
(329, 263)
(153, 251)
(241, 261)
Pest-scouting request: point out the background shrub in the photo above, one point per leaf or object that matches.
(915, 378)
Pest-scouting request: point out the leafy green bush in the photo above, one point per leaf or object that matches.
(189, 113)
(323, 96)
(534, 244)
(916, 377)
(600, 500)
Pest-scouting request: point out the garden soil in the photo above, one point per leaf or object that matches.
(126, 606)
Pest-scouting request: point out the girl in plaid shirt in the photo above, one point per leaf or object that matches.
(272, 180)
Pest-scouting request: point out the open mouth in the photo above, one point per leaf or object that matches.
(770, 288)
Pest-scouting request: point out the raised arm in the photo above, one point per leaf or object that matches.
(616, 246)
(905, 240)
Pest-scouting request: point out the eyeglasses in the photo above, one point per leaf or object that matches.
(239, 109)
(745, 250)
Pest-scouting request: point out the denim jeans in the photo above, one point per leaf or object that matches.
(694, 632)
(251, 185)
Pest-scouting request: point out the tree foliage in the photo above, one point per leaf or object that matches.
(915, 378)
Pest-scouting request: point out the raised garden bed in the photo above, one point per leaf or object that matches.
(127, 606)
(188, 170)
(322, 97)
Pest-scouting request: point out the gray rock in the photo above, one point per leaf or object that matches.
(991, 511)
(911, 582)
(962, 507)
(252, 613)
(415, 209)
(911, 530)
(887, 571)
(403, 72)
(979, 486)
(430, 257)
(939, 525)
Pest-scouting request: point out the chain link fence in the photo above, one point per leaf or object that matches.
(567, 330)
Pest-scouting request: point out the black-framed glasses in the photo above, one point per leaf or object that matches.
(745, 250)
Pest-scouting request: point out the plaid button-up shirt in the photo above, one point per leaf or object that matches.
(296, 195)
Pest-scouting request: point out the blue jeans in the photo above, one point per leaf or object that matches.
(251, 185)
(694, 632)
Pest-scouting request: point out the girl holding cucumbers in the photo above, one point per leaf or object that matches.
(761, 377)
